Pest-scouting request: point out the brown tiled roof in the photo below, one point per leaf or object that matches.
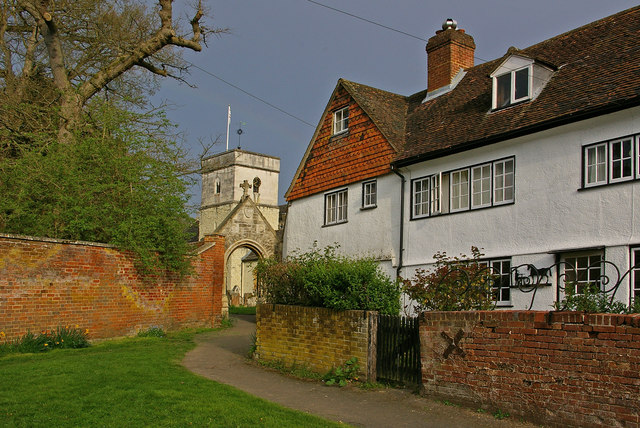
(598, 70)
(375, 133)
(386, 110)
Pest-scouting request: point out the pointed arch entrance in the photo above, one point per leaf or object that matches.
(239, 279)
(248, 238)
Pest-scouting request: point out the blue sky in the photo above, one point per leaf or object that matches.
(291, 54)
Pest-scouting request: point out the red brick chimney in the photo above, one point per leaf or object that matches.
(447, 52)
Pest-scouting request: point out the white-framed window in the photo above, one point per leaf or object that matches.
(512, 87)
(595, 165)
(581, 269)
(341, 120)
(420, 197)
(612, 161)
(503, 181)
(638, 157)
(335, 207)
(435, 186)
(621, 159)
(635, 274)
(481, 186)
(369, 194)
(459, 190)
(501, 285)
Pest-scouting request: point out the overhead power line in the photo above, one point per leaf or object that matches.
(251, 95)
(382, 25)
(367, 20)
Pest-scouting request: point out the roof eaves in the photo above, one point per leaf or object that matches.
(313, 139)
(527, 130)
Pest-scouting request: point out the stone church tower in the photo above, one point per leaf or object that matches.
(240, 202)
(223, 176)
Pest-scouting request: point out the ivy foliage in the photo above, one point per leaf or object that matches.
(459, 283)
(322, 278)
(593, 300)
(120, 183)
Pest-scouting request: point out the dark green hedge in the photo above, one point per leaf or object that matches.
(321, 278)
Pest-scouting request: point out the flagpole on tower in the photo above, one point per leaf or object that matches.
(228, 124)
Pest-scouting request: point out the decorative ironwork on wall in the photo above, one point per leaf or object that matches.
(603, 278)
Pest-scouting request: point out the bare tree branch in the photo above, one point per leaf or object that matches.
(152, 68)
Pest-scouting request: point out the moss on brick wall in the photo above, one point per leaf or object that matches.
(48, 283)
(318, 338)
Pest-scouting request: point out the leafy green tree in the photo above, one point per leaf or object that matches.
(120, 183)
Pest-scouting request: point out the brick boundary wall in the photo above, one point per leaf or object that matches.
(46, 283)
(555, 368)
(318, 338)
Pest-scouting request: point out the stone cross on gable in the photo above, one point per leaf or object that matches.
(245, 188)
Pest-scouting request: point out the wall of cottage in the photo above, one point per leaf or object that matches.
(560, 369)
(551, 215)
(367, 232)
(318, 338)
(47, 283)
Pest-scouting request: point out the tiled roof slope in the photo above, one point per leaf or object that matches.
(598, 70)
(375, 132)
(386, 110)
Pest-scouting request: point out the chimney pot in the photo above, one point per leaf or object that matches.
(450, 24)
(450, 50)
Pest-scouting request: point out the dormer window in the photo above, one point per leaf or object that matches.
(512, 87)
(341, 120)
(518, 79)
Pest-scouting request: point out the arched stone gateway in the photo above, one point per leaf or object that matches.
(239, 201)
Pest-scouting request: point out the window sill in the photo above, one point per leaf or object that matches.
(463, 211)
(370, 207)
(335, 224)
(615, 183)
(504, 305)
(339, 135)
(517, 103)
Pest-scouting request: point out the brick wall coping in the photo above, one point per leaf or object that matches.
(54, 240)
(203, 245)
(540, 317)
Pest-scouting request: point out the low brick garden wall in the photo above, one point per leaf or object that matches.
(318, 338)
(46, 283)
(556, 368)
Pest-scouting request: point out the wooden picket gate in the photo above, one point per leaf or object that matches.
(398, 350)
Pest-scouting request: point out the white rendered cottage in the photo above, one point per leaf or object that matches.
(533, 157)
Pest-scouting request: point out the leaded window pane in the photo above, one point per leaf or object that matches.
(481, 186)
(460, 190)
(420, 197)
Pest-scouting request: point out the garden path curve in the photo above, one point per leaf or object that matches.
(222, 357)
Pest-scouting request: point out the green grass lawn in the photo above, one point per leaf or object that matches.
(242, 310)
(127, 382)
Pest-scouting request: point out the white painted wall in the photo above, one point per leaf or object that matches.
(550, 213)
(370, 232)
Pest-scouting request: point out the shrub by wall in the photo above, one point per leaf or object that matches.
(322, 278)
(46, 283)
(318, 338)
(557, 368)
